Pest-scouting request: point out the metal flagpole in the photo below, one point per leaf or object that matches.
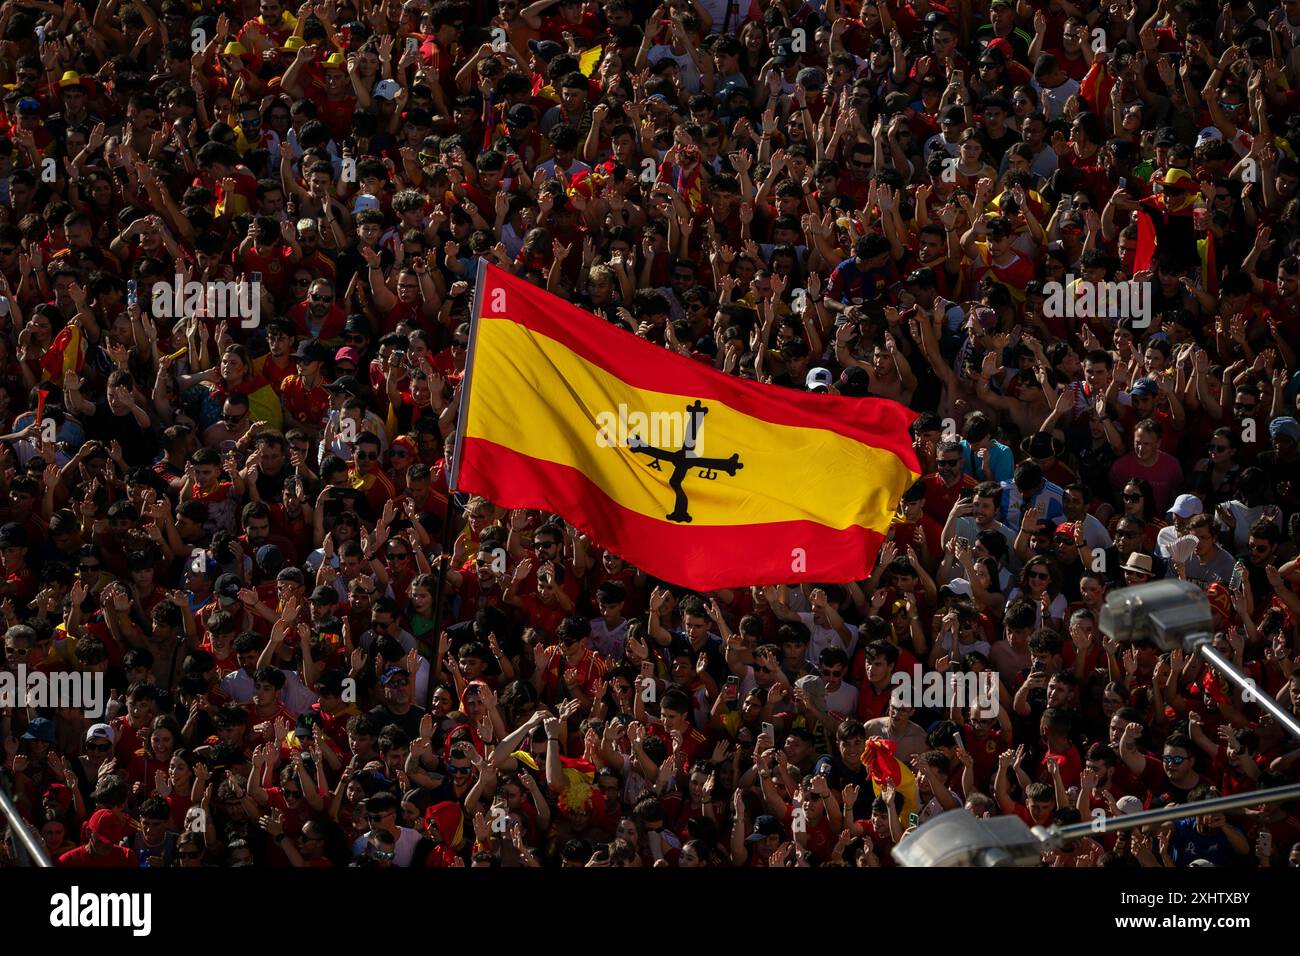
(453, 469)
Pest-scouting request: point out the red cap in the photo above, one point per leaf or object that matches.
(107, 826)
(1003, 47)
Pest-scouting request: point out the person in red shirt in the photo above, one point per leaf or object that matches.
(303, 395)
(279, 362)
(945, 486)
(1055, 727)
(20, 582)
(570, 661)
(545, 608)
(317, 316)
(106, 829)
(326, 83)
(366, 476)
(272, 251)
(912, 520)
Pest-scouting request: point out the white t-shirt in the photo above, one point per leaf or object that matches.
(1056, 96)
(690, 73)
(824, 637)
(296, 697)
(842, 700)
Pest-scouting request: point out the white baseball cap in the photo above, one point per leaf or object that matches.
(959, 586)
(1128, 804)
(819, 379)
(1208, 134)
(1186, 506)
(387, 89)
(101, 732)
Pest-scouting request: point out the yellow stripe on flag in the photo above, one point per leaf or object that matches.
(536, 397)
(588, 60)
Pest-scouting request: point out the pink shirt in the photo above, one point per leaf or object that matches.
(1165, 476)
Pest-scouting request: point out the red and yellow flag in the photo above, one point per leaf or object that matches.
(696, 477)
(66, 353)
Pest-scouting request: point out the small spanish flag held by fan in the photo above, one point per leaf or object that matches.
(696, 477)
(587, 183)
(884, 767)
(66, 353)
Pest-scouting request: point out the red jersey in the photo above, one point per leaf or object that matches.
(939, 497)
(307, 405)
(590, 667)
(82, 858)
(273, 264)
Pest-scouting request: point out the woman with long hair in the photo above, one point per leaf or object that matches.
(178, 786)
(1138, 500)
(152, 762)
(1040, 584)
(1214, 477)
(233, 373)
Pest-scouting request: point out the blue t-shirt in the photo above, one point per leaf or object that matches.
(849, 281)
(1001, 462)
(1189, 843)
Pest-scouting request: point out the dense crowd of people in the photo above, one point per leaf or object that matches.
(236, 518)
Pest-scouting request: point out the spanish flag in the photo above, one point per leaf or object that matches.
(66, 353)
(696, 477)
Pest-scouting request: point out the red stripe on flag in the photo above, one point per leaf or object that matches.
(685, 554)
(880, 423)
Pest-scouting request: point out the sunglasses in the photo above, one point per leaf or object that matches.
(1131, 497)
(400, 453)
(322, 298)
(1039, 576)
(1123, 533)
(99, 748)
(459, 771)
(398, 555)
(1219, 447)
(367, 455)
(460, 343)
(949, 462)
(1174, 760)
